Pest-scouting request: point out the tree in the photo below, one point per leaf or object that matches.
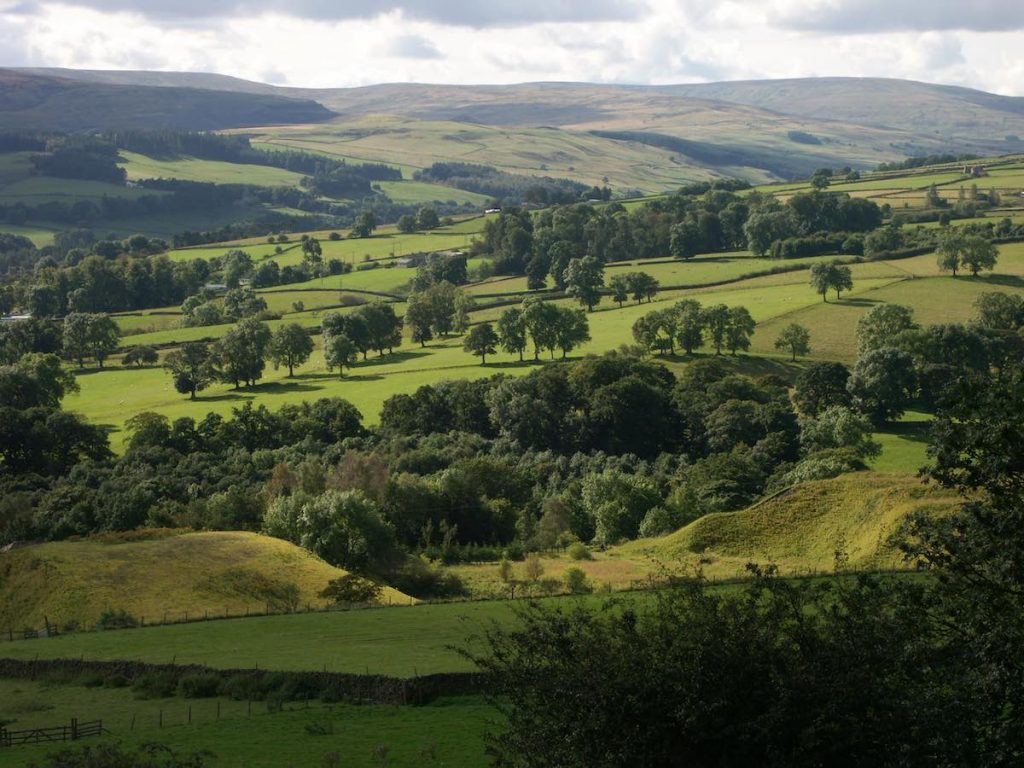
(533, 568)
(882, 383)
(243, 302)
(241, 352)
(572, 329)
(739, 329)
(419, 316)
(347, 530)
(821, 386)
(690, 325)
(191, 368)
(364, 225)
(796, 339)
(464, 304)
(291, 345)
(978, 254)
(36, 380)
(341, 351)
(839, 427)
(841, 278)
(977, 552)
(426, 218)
(75, 338)
(383, 326)
(96, 336)
(716, 321)
(541, 321)
(512, 332)
(620, 289)
(949, 251)
(642, 286)
(407, 224)
(584, 279)
(882, 325)
(140, 355)
(312, 255)
(762, 678)
(481, 341)
(351, 590)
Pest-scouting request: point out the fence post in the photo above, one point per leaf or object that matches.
(74, 728)
(190, 714)
(161, 722)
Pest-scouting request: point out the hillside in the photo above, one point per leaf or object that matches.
(648, 138)
(37, 102)
(234, 572)
(957, 114)
(801, 528)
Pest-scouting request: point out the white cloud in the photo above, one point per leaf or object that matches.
(623, 41)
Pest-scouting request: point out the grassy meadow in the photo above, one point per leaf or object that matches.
(448, 732)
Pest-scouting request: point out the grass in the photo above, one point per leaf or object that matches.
(396, 641)
(448, 732)
(801, 528)
(109, 397)
(213, 171)
(228, 573)
(422, 193)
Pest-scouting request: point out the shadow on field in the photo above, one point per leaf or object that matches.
(393, 358)
(858, 302)
(1009, 281)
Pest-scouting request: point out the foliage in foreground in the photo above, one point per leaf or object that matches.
(850, 672)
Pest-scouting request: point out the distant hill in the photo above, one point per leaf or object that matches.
(649, 138)
(43, 102)
(958, 114)
(801, 528)
(215, 572)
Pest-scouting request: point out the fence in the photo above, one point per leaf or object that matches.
(70, 732)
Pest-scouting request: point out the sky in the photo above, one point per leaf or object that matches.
(341, 43)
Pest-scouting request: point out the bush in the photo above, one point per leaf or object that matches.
(576, 582)
(579, 551)
(199, 685)
(242, 688)
(351, 590)
(154, 685)
(420, 579)
(116, 619)
(116, 680)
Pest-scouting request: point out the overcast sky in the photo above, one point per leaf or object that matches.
(328, 43)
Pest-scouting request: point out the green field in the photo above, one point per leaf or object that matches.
(421, 193)
(448, 732)
(213, 171)
(109, 397)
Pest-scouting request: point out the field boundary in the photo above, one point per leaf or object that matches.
(377, 689)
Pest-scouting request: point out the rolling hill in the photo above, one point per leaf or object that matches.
(44, 102)
(227, 572)
(801, 528)
(648, 138)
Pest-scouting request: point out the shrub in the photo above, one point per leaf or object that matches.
(576, 582)
(116, 619)
(116, 680)
(242, 688)
(154, 685)
(579, 551)
(199, 685)
(351, 590)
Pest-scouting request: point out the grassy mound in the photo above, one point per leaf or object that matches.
(160, 576)
(801, 528)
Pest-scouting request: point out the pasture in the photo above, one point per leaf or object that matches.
(111, 396)
(447, 732)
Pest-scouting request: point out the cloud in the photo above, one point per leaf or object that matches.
(412, 47)
(863, 16)
(466, 13)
